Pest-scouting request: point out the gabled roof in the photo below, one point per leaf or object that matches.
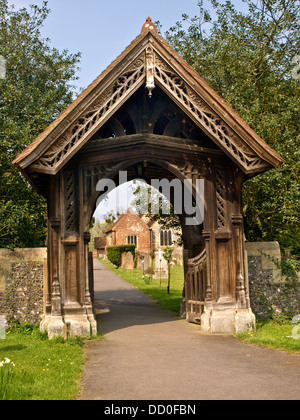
(123, 216)
(100, 242)
(112, 228)
(149, 59)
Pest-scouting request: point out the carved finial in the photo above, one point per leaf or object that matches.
(150, 83)
(149, 25)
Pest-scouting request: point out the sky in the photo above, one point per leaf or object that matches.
(101, 30)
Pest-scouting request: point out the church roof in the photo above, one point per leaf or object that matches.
(135, 217)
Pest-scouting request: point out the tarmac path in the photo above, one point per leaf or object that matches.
(150, 354)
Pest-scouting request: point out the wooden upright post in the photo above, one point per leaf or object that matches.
(226, 310)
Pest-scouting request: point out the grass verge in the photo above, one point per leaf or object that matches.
(272, 334)
(44, 369)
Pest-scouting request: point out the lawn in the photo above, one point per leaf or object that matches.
(272, 334)
(44, 369)
(153, 288)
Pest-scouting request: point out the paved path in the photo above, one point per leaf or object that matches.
(149, 354)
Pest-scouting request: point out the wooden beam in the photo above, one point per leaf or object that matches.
(190, 147)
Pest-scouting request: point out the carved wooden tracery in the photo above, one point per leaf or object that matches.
(149, 67)
(94, 117)
(70, 207)
(221, 199)
(205, 116)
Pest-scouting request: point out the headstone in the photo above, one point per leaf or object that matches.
(127, 261)
(161, 266)
(144, 262)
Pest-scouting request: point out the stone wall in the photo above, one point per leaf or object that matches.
(273, 292)
(22, 274)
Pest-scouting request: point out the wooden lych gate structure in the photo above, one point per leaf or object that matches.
(150, 114)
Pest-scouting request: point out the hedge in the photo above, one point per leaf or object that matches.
(114, 253)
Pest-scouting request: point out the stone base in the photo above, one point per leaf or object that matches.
(56, 327)
(69, 326)
(162, 275)
(227, 321)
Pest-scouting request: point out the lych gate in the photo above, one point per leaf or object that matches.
(152, 115)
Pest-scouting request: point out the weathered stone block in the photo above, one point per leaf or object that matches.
(270, 257)
(22, 276)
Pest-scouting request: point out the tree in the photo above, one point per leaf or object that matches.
(99, 229)
(35, 90)
(145, 198)
(249, 59)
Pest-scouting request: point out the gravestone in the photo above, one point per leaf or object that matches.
(127, 261)
(144, 262)
(161, 266)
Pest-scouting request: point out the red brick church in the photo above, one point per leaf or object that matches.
(148, 236)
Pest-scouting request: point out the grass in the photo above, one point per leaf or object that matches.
(159, 293)
(272, 334)
(44, 369)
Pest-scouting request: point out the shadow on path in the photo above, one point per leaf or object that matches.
(120, 305)
(148, 354)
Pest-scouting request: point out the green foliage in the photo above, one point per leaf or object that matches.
(114, 253)
(247, 57)
(16, 326)
(168, 251)
(35, 91)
